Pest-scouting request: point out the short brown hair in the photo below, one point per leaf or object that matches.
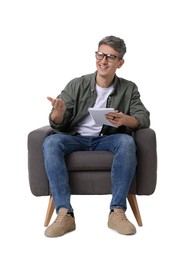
(116, 43)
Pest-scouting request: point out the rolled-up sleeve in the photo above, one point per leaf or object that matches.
(138, 110)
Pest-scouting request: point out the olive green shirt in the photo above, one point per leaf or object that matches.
(80, 94)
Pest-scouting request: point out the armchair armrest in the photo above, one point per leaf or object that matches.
(146, 174)
(35, 161)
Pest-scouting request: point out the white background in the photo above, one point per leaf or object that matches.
(44, 44)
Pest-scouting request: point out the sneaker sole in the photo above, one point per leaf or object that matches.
(128, 232)
(72, 228)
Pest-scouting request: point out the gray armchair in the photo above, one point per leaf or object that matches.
(89, 172)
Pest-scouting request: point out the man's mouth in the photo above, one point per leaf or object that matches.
(103, 67)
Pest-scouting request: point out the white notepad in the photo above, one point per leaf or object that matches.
(98, 115)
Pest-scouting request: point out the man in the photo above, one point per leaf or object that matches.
(77, 131)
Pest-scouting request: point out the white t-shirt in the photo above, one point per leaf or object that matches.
(88, 127)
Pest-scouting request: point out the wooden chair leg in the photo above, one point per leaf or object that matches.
(49, 212)
(131, 198)
(134, 206)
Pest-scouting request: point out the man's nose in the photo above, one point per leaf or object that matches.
(104, 59)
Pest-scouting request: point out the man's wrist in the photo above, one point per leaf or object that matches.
(57, 117)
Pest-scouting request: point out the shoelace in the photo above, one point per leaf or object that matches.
(61, 217)
(121, 215)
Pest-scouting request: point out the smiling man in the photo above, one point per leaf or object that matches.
(75, 130)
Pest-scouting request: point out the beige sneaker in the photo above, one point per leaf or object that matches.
(64, 223)
(118, 221)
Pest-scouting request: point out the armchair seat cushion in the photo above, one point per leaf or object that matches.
(87, 161)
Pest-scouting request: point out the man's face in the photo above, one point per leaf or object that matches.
(107, 68)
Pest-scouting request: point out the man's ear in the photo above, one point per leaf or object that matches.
(121, 62)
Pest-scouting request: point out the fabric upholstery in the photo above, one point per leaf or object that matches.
(89, 172)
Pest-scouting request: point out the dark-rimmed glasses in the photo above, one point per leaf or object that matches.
(109, 57)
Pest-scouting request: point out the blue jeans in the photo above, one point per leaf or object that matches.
(56, 146)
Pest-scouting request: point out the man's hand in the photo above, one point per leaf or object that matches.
(58, 104)
(118, 119)
(57, 114)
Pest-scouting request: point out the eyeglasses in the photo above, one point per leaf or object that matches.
(109, 57)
